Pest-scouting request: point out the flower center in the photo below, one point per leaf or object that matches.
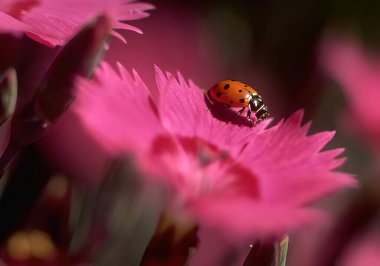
(199, 169)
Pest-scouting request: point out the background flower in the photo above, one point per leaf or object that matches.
(362, 251)
(54, 22)
(357, 71)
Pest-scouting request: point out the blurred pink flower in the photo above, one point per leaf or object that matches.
(245, 182)
(53, 22)
(346, 61)
(363, 251)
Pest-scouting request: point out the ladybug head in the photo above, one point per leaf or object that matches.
(257, 106)
(262, 113)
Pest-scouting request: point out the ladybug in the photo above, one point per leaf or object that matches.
(234, 93)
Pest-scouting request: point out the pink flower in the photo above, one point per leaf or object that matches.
(363, 251)
(53, 22)
(244, 182)
(346, 61)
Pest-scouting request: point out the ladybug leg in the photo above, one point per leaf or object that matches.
(249, 115)
(241, 110)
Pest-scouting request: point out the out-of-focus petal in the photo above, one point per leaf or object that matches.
(117, 109)
(345, 60)
(242, 218)
(363, 251)
(10, 24)
(54, 22)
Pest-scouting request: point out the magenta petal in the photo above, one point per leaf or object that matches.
(122, 26)
(183, 111)
(346, 61)
(130, 11)
(181, 107)
(363, 250)
(116, 108)
(9, 24)
(241, 218)
(54, 22)
(119, 36)
(290, 166)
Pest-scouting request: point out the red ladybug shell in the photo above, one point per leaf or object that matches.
(231, 93)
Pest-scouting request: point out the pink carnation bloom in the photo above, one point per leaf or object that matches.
(244, 182)
(346, 61)
(53, 22)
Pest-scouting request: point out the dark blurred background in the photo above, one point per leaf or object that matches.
(278, 39)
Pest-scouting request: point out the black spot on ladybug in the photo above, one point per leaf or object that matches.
(227, 86)
(245, 85)
(242, 100)
(218, 94)
(240, 90)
